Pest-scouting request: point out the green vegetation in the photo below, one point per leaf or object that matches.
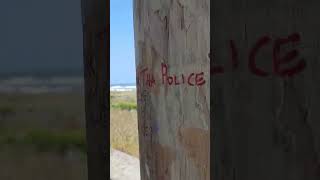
(48, 121)
(55, 123)
(6, 110)
(47, 141)
(43, 132)
(125, 106)
(124, 122)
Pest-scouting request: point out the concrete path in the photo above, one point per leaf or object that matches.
(123, 166)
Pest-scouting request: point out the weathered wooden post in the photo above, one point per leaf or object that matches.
(95, 40)
(265, 104)
(172, 63)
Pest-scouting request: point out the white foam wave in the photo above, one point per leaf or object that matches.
(122, 88)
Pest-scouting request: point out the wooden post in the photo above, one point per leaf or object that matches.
(266, 103)
(172, 63)
(96, 45)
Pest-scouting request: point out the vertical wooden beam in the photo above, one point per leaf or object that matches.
(172, 47)
(96, 74)
(266, 109)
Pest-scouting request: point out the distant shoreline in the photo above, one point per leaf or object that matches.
(35, 85)
(28, 83)
(123, 84)
(123, 87)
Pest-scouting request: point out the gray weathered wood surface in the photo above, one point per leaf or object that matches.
(173, 119)
(266, 128)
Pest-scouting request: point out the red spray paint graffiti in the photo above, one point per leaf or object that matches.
(146, 78)
(191, 79)
(277, 60)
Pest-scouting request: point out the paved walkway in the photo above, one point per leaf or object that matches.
(123, 166)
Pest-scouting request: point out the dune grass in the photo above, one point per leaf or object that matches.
(56, 122)
(125, 106)
(49, 121)
(44, 140)
(124, 123)
(42, 136)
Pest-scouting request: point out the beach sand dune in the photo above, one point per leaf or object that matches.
(123, 166)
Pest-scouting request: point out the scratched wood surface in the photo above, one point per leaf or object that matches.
(172, 47)
(95, 41)
(265, 109)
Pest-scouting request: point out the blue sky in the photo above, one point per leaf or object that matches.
(122, 60)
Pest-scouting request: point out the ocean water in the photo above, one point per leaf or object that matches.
(31, 84)
(130, 87)
(46, 84)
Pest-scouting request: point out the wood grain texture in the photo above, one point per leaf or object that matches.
(265, 127)
(173, 119)
(96, 40)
